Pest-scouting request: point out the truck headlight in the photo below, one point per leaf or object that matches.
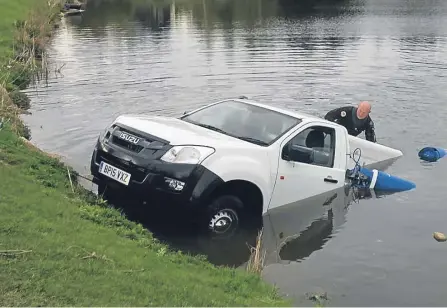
(104, 135)
(187, 154)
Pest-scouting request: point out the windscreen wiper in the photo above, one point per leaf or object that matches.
(254, 140)
(213, 128)
(249, 139)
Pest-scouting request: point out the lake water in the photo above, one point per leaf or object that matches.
(135, 56)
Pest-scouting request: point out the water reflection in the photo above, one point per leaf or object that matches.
(207, 14)
(289, 233)
(155, 18)
(293, 234)
(100, 14)
(308, 9)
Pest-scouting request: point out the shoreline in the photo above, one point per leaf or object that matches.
(61, 244)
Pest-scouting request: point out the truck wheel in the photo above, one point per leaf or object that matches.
(224, 216)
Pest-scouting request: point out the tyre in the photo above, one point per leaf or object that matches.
(224, 217)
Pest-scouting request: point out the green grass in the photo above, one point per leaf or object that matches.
(25, 28)
(78, 253)
(10, 11)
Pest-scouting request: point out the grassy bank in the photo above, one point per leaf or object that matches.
(60, 246)
(56, 249)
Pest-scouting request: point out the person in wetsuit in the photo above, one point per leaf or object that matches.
(355, 119)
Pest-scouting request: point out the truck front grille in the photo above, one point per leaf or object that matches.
(127, 145)
(136, 148)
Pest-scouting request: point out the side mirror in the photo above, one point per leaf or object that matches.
(185, 112)
(285, 152)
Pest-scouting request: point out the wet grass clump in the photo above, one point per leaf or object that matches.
(20, 99)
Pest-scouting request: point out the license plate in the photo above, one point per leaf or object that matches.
(114, 173)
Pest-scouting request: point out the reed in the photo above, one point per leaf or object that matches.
(30, 39)
(28, 62)
(257, 256)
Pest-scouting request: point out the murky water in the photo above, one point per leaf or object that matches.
(133, 56)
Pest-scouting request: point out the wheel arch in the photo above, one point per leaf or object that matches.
(248, 192)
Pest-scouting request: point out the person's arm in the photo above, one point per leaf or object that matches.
(335, 115)
(370, 133)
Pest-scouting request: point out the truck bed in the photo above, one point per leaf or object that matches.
(373, 155)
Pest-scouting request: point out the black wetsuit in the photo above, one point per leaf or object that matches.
(347, 116)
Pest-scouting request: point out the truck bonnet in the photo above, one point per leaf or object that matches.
(179, 132)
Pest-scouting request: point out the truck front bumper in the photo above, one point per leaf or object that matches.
(158, 183)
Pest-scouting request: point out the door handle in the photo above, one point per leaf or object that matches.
(330, 180)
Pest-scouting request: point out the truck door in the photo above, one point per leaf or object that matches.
(312, 161)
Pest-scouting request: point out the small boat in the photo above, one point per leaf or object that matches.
(75, 6)
(74, 12)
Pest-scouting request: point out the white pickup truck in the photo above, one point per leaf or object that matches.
(229, 161)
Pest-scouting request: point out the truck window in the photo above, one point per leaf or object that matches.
(319, 140)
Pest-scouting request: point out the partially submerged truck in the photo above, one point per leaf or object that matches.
(229, 161)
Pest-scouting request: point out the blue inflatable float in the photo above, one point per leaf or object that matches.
(432, 154)
(379, 180)
(374, 179)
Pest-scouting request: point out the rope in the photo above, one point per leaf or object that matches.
(357, 179)
(25, 151)
(85, 178)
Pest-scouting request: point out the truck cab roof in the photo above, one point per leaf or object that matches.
(229, 122)
(304, 117)
(299, 115)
